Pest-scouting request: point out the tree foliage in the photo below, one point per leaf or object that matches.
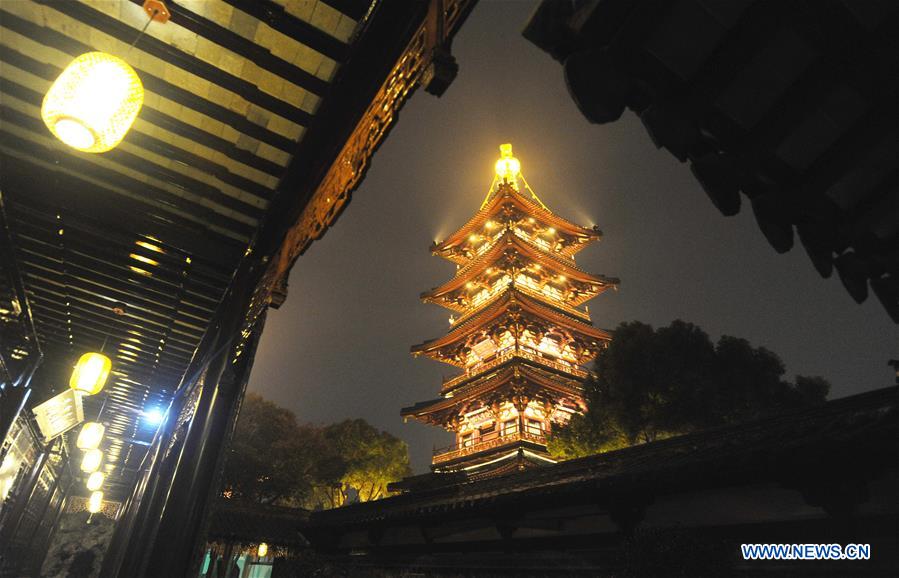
(275, 460)
(371, 459)
(654, 383)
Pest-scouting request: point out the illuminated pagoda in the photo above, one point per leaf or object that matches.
(519, 329)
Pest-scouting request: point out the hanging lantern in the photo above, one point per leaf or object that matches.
(93, 103)
(262, 550)
(90, 436)
(95, 503)
(90, 373)
(95, 481)
(91, 461)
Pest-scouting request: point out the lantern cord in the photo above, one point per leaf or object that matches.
(147, 25)
(103, 405)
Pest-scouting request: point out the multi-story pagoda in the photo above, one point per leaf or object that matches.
(519, 331)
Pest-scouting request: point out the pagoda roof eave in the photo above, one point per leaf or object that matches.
(491, 383)
(493, 207)
(500, 307)
(485, 259)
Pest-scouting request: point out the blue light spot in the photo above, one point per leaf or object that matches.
(154, 416)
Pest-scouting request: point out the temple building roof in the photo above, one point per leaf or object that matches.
(785, 109)
(763, 449)
(250, 524)
(243, 130)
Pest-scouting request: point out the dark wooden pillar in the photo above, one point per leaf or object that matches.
(9, 524)
(161, 529)
(12, 401)
(182, 528)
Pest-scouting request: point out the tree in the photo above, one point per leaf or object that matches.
(372, 459)
(650, 384)
(275, 460)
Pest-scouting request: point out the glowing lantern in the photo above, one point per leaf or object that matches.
(262, 550)
(91, 461)
(90, 435)
(90, 373)
(507, 167)
(95, 481)
(95, 503)
(93, 103)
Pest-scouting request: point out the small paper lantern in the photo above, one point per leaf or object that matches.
(91, 461)
(95, 481)
(90, 373)
(90, 435)
(93, 103)
(262, 550)
(95, 503)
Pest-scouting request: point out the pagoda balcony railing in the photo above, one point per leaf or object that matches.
(505, 356)
(506, 436)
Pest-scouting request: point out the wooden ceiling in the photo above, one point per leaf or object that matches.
(130, 251)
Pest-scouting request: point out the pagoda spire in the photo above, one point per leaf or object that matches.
(521, 335)
(508, 172)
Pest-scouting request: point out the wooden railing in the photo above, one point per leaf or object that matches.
(488, 441)
(505, 356)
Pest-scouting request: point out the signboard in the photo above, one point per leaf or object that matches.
(59, 414)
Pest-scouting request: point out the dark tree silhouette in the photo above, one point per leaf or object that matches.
(275, 460)
(651, 384)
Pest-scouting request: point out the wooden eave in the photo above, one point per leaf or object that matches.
(523, 367)
(228, 167)
(501, 307)
(516, 368)
(495, 205)
(509, 239)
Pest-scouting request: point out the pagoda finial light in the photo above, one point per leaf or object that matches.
(507, 167)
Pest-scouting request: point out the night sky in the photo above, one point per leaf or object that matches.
(339, 347)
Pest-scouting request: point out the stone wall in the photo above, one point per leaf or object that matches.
(78, 547)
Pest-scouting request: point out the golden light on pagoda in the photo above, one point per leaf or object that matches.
(507, 167)
(91, 461)
(95, 503)
(515, 313)
(93, 103)
(95, 481)
(262, 550)
(90, 373)
(90, 436)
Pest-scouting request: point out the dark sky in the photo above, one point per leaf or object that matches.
(339, 347)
